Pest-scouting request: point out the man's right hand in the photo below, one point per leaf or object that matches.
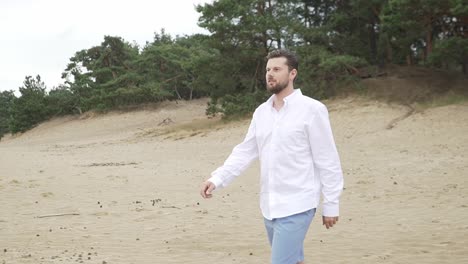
(207, 189)
(329, 221)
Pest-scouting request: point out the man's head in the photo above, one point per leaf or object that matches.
(281, 70)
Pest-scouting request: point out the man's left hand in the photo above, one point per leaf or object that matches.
(329, 221)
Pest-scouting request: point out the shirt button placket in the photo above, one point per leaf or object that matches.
(272, 155)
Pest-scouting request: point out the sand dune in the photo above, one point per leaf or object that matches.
(123, 188)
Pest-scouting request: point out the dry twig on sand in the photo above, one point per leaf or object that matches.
(53, 215)
(174, 207)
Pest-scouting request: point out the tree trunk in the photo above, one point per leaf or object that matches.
(107, 63)
(79, 110)
(409, 59)
(429, 43)
(261, 13)
(307, 21)
(374, 36)
(255, 78)
(373, 43)
(192, 80)
(389, 53)
(465, 66)
(177, 92)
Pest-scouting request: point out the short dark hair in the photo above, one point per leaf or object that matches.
(291, 58)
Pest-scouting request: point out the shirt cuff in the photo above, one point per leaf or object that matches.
(216, 181)
(331, 210)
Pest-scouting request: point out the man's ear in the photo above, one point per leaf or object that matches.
(293, 74)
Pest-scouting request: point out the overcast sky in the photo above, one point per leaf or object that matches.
(40, 36)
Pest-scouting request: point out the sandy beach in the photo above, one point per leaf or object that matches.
(124, 188)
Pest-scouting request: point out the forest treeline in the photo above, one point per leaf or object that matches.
(335, 40)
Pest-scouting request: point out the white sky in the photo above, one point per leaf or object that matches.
(40, 36)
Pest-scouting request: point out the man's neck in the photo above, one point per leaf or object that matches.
(279, 98)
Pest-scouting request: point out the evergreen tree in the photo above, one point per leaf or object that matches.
(6, 102)
(31, 107)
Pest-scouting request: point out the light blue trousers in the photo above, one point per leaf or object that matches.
(286, 236)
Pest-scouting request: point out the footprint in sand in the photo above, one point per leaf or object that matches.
(47, 194)
(100, 214)
(33, 184)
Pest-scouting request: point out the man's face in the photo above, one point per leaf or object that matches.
(277, 75)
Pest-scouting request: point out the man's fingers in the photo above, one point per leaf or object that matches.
(329, 221)
(210, 188)
(207, 189)
(203, 190)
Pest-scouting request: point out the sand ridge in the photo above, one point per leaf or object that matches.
(123, 188)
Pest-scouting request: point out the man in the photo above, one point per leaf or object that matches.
(291, 135)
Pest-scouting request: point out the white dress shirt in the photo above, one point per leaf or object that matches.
(298, 158)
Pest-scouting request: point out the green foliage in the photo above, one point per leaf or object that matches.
(321, 71)
(31, 107)
(6, 102)
(61, 101)
(340, 65)
(34, 105)
(415, 25)
(116, 74)
(100, 71)
(236, 106)
(243, 32)
(335, 40)
(181, 67)
(452, 50)
(459, 7)
(356, 25)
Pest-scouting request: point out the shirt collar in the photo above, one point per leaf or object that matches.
(287, 99)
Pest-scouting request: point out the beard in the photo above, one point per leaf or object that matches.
(277, 88)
